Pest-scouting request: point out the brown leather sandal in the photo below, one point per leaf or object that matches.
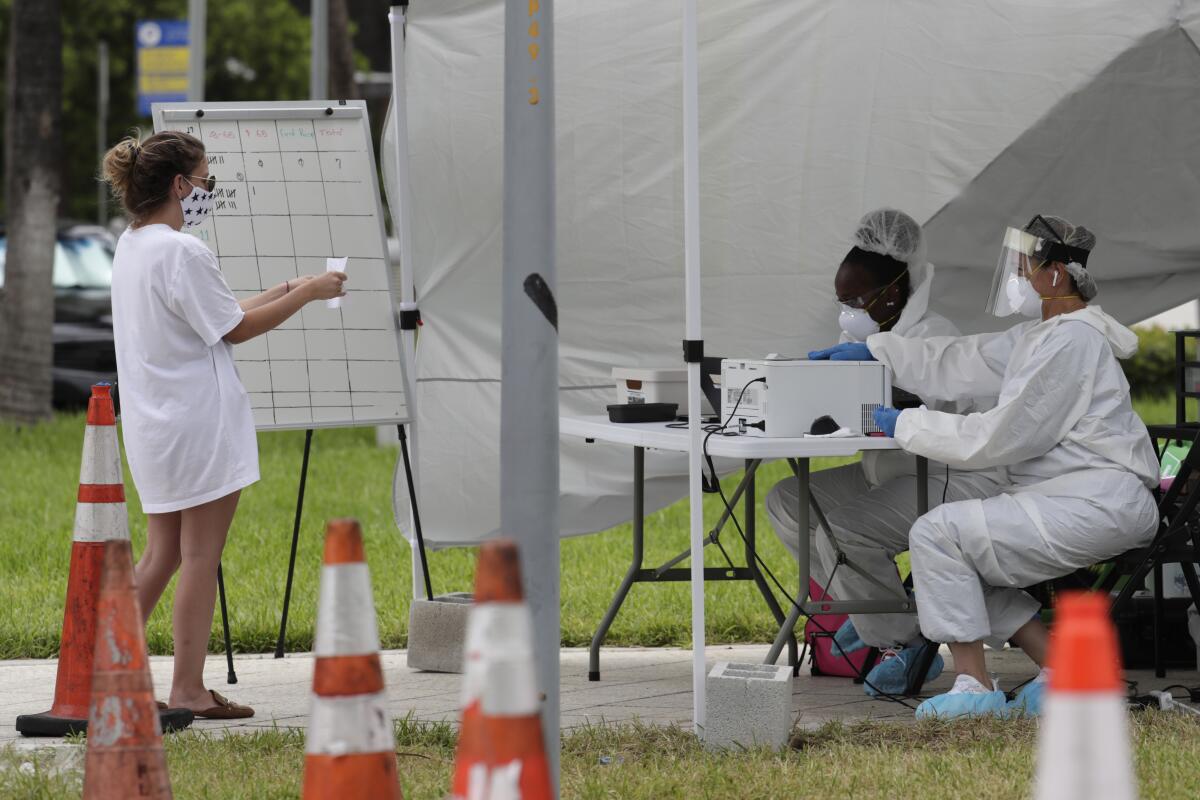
(224, 709)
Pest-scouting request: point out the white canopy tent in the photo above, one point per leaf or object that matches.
(969, 115)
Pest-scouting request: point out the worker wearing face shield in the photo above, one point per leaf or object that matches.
(1079, 459)
(883, 284)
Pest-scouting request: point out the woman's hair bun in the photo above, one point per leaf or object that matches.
(119, 162)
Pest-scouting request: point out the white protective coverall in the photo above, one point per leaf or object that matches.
(1079, 460)
(871, 506)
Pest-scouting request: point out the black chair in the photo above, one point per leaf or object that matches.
(1176, 542)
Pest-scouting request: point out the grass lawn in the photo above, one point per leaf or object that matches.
(350, 476)
(982, 759)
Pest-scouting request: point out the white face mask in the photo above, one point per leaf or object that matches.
(1023, 297)
(857, 323)
(196, 206)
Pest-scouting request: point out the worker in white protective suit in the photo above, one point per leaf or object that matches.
(1079, 459)
(883, 284)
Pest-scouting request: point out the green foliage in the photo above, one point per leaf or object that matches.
(268, 37)
(988, 759)
(1151, 373)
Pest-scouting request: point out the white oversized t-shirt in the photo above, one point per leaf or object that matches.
(185, 417)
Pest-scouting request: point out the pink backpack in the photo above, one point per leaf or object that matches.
(824, 656)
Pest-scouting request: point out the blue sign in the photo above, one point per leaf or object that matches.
(162, 62)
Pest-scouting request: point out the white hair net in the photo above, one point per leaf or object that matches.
(893, 233)
(1076, 236)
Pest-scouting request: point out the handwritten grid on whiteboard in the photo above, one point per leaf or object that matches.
(291, 192)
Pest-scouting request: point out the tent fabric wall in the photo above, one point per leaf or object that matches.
(811, 113)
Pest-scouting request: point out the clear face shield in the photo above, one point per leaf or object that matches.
(1017, 262)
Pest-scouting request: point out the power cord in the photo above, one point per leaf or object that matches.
(1193, 692)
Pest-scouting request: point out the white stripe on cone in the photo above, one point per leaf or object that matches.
(473, 659)
(101, 522)
(1083, 748)
(499, 662)
(101, 456)
(345, 612)
(347, 725)
(501, 782)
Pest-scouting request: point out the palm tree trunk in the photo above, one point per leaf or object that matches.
(33, 145)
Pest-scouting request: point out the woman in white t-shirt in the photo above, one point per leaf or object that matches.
(186, 421)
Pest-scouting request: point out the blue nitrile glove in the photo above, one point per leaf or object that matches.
(846, 351)
(885, 419)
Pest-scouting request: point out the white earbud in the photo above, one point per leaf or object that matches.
(1055, 281)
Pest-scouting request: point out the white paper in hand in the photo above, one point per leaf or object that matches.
(335, 265)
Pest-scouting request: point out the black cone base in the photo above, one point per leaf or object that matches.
(172, 719)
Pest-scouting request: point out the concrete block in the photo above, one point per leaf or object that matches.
(437, 629)
(749, 705)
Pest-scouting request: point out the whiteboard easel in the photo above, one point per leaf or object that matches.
(297, 184)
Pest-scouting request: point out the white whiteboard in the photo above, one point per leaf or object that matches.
(296, 183)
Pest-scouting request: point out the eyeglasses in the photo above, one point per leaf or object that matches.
(210, 182)
(862, 301)
(865, 301)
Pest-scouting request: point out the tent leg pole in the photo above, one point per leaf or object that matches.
(416, 514)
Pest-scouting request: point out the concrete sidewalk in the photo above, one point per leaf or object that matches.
(648, 684)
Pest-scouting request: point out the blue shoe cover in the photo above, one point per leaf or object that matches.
(847, 638)
(891, 676)
(964, 704)
(1028, 701)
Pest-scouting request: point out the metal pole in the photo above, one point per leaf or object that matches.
(102, 129)
(529, 367)
(287, 592)
(318, 75)
(230, 674)
(197, 26)
(415, 513)
(401, 208)
(691, 259)
(639, 539)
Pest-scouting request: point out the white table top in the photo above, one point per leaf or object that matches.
(657, 436)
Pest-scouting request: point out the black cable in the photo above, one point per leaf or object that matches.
(766, 569)
(1176, 686)
(946, 485)
(1011, 694)
(717, 541)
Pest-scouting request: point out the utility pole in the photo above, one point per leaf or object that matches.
(318, 76)
(197, 26)
(102, 129)
(529, 366)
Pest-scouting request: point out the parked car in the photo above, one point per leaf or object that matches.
(84, 353)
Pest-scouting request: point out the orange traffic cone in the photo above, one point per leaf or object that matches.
(500, 748)
(100, 516)
(1083, 744)
(125, 757)
(350, 750)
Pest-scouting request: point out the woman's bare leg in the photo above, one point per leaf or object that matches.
(968, 660)
(159, 560)
(1033, 637)
(203, 530)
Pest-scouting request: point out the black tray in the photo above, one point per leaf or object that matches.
(643, 412)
